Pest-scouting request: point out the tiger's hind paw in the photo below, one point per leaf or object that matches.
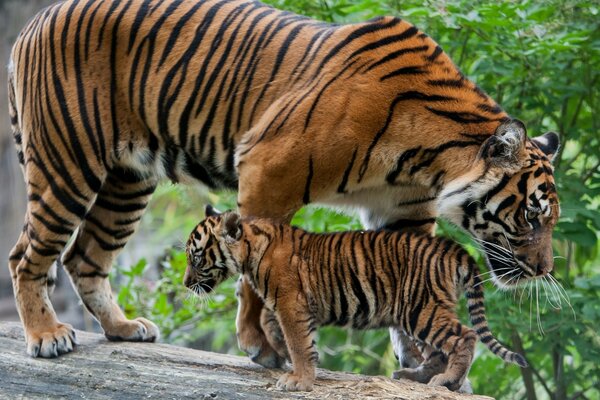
(51, 343)
(136, 330)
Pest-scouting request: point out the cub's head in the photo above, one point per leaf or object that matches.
(510, 207)
(213, 251)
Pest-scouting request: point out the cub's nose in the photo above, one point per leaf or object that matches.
(187, 279)
(542, 270)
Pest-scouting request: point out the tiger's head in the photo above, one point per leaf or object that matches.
(509, 204)
(213, 251)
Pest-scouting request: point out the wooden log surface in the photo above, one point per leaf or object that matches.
(99, 369)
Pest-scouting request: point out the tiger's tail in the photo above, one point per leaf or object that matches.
(475, 303)
(14, 115)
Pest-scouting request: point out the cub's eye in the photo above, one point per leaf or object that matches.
(532, 214)
(196, 260)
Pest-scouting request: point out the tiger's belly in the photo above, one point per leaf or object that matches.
(175, 164)
(381, 206)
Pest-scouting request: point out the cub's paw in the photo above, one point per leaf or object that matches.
(412, 374)
(268, 358)
(294, 383)
(136, 330)
(466, 387)
(51, 343)
(445, 380)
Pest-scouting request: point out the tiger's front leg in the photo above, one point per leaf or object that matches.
(296, 321)
(266, 196)
(104, 232)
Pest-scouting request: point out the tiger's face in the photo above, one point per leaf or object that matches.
(512, 207)
(213, 251)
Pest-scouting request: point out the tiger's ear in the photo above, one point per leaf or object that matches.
(549, 143)
(232, 226)
(504, 147)
(210, 211)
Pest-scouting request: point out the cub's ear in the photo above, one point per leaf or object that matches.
(549, 143)
(232, 226)
(504, 147)
(210, 211)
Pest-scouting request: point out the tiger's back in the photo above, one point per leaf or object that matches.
(176, 88)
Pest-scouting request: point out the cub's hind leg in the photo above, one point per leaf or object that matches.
(107, 226)
(457, 342)
(250, 332)
(58, 198)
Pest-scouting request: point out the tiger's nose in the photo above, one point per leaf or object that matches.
(542, 270)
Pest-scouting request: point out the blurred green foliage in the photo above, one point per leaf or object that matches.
(541, 61)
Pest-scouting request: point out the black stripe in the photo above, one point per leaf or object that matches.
(461, 117)
(433, 153)
(436, 53)
(366, 29)
(456, 83)
(137, 21)
(408, 33)
(396, 54)
(344, 182)
(411, 70)
(306, 197)
(404, 157)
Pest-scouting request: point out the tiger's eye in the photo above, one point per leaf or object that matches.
(196, 260)
(531, 215)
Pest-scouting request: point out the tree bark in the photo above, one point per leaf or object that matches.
(101, 369)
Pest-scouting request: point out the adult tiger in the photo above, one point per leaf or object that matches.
(107, 97)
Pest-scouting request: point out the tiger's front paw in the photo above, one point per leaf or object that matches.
(136, 330)
(295, 383)
(50, 343)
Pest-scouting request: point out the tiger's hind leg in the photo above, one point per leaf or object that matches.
(57, 202)
(273, 333)
(250, 332)
(459, 346)
(108, 225)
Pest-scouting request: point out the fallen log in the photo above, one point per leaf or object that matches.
(99, 369)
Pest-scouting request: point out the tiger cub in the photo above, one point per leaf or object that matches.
(360, 279)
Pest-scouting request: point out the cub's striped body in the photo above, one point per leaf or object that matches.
(109, 97)
(369, 279)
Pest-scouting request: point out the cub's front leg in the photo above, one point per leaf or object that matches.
(297, 324)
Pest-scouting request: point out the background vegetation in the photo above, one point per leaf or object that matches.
(541, 61)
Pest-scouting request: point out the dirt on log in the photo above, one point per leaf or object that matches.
(99, 369)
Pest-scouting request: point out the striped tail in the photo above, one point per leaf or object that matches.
(474, 293)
